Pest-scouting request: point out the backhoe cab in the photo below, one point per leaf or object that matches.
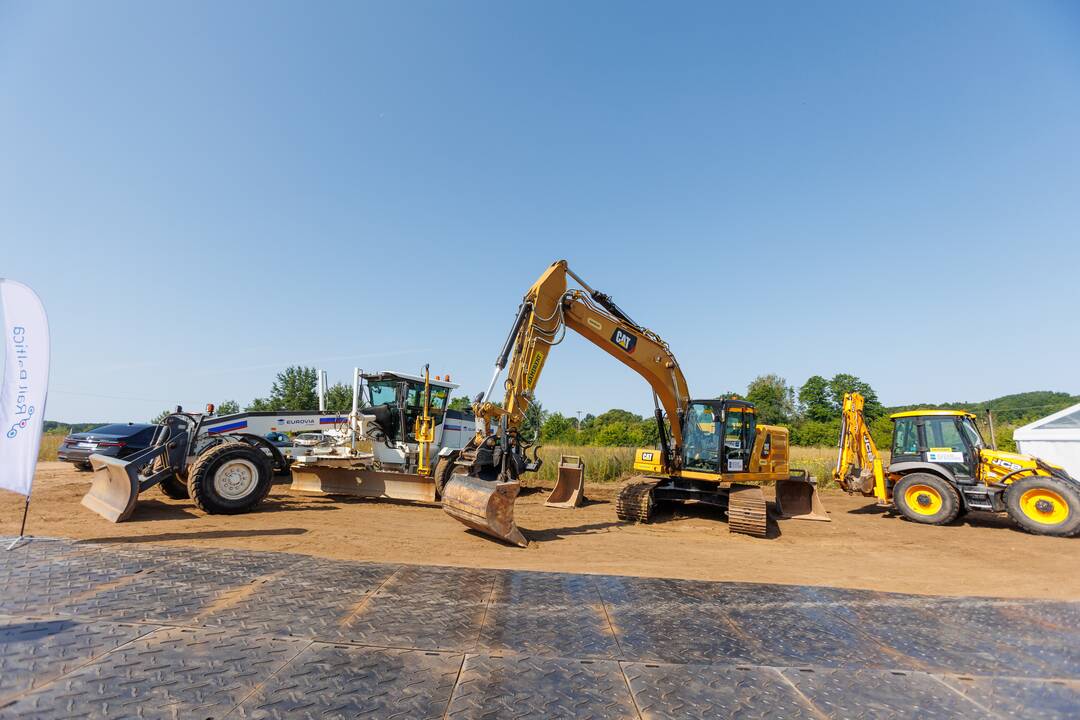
(941, 468)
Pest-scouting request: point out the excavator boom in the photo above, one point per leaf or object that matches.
(481, 495)
(858, 462)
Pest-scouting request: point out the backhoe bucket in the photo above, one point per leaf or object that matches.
(484, 506)
(799, 500)
(569, 491)
(114, 489)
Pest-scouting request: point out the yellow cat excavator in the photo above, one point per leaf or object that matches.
(711, 451)
(940, 467)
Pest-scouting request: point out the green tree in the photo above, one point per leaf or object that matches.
(842, 384)
(461, 403)
(339, 398)
(773, 399)
(534, 419)
(814, 399)
(294, 389)
(160, 417)
(227, 407)
(558, 428)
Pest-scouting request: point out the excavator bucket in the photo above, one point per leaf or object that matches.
(484, 506)
(569, 491)
(799, 500)
(114, 489)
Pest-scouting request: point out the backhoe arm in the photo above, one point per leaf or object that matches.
(858, 462)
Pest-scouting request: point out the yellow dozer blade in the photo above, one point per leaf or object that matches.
(484, 506)
(569, 490)
(799, 500)
(114, 489)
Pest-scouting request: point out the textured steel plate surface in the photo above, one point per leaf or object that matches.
(334, 681)
(170, 673)
(34, 652)
(273, 635)
(679, 635)
(575, 631)
(520, 686)
(1022, 698)
(415, 622)
(687, 692)
(853, 693)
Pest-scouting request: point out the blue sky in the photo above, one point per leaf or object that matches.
(203, 193)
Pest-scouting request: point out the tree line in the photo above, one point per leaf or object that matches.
(811, 411)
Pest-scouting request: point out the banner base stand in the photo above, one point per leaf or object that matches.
(27, 539)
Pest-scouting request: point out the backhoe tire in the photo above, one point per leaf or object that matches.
(926, 498)
(230, 478)
(444, 468)
(174, 487)
(1044, 505)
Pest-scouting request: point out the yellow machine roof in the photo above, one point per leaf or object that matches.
(922, 413)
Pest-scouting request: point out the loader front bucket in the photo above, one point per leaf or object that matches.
(484, 506)
(799, 500)
(114, 489)
(569, 490)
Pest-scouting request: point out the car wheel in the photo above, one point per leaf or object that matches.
(83, 466)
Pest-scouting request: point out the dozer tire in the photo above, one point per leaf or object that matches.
(175, 488)
(444, 468)
(927, 499)
(1044, 505)
(230, 478)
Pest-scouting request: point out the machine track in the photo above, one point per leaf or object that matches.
(634, 502)
(746, 510)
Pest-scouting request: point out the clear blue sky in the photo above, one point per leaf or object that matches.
(206, 192)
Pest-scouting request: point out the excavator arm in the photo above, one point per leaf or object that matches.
(482, 496)
(858, 462)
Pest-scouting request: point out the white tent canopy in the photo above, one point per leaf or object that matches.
(1055, 438)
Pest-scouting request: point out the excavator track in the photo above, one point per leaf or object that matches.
(746, 510)
(634, 501)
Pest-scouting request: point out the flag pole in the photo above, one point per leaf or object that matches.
(22, 527)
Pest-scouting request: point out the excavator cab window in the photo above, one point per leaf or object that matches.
(905, 438)
(947, 445)
(701, 438)
(738, 439)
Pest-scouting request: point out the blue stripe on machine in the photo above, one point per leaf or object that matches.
(332, 421)
(226, 428)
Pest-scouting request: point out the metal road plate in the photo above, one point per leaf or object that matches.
(420, 621)
(806, 634)
(680, 635)
(170, 673)
(335, 575)
(34, 652)
(574, 631)
(646, 592)
(685, 692)
(542, 588)
(335, 681)
(1033, 699)
(287, 605)
(929, 636)
(852, 693)
(453, 584)
(519, 686)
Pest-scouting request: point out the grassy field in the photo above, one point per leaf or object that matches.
(50, 443)
(615, 464)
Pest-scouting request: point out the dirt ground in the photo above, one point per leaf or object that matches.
(860, 548)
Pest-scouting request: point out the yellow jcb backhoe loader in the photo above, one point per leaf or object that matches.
(941, 468)
(712, 451)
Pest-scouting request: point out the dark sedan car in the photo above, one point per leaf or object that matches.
(118, 440)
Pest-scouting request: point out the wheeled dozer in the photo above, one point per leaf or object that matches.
(211, 459)
(941, 468)
(711, 451)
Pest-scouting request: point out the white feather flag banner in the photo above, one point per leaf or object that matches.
(26, 383)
